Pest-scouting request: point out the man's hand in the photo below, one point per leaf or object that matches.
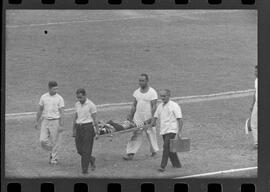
(97, 135)
(179, 134)
(61, 129)
(37, 125)
(148, 121)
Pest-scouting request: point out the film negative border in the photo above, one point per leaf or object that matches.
(130, 4)
(143, 186)
(262, 184)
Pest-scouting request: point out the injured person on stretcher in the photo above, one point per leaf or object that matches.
(112, 126)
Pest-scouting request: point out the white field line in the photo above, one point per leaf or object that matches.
(74, 22)
(185, 14)
(185, 99)
(217, 172)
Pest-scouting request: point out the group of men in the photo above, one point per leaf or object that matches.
(144, 111)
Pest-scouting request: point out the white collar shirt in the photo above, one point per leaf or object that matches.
(168, 115)
(51, 105)
(84, 111)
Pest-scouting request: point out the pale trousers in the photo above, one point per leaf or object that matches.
(50, 136)
(254, 123)
(136, 140)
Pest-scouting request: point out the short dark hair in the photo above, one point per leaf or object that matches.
(168, 91)
(145, 75)
(81, 91)
(52, 84)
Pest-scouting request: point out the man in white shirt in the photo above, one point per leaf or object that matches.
(170, 116)
(50, 120)
(254, 112)
(86, 128)
(142, 111)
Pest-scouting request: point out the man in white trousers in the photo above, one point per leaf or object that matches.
(50, 120)
(254, 112)
(142, 111)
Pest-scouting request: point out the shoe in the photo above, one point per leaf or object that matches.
(84, 172)
(153, 154)
(161, 169)
(128, 157)
(50, 158)
(255, 146)
(54, 161)
(93, 165)
(177, 167)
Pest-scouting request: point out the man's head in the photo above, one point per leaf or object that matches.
(81, 95)
(143, 80)
(256, 70)
(53, 87)
(165, 95)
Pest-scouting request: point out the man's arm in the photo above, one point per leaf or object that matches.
(154, 121)
(75, 116)
(153, 108)
(94, 117)
(132, 111)
(61, 120)
(180, 126)
(253, 102)
(39, 113)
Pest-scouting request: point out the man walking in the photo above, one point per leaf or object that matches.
(142, 111)
(85, 129)
(170, 116)
(50, 120)
(254, 112)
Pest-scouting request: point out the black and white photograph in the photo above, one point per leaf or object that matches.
(131, 93)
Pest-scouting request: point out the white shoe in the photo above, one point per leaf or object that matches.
(54, 161)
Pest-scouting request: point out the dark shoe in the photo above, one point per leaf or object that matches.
(161, 169)
(50, 158)
(85, 172)
(128, 157)
(255, 147)
(153, 154)
(93, 165)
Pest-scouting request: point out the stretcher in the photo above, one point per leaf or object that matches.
(125, 131)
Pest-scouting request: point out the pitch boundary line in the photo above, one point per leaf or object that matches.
(74, 22)
(217, 172)
(184, 99)
(101, 20)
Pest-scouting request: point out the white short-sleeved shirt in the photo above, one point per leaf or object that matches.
(143, 108)
(84, 111)
(256, 90)
(168, 115)
(51, 104)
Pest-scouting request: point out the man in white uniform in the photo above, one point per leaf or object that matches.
(254, 112)
(170, 116)
(142, 111)
(50, 120)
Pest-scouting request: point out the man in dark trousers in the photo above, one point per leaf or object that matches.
(170, 116)
(86, 127)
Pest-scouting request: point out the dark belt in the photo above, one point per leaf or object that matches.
(52, 119)
(82, 124)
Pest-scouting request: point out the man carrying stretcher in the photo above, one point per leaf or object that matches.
(142, 111)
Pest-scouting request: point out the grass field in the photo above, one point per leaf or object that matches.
(189, 52)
